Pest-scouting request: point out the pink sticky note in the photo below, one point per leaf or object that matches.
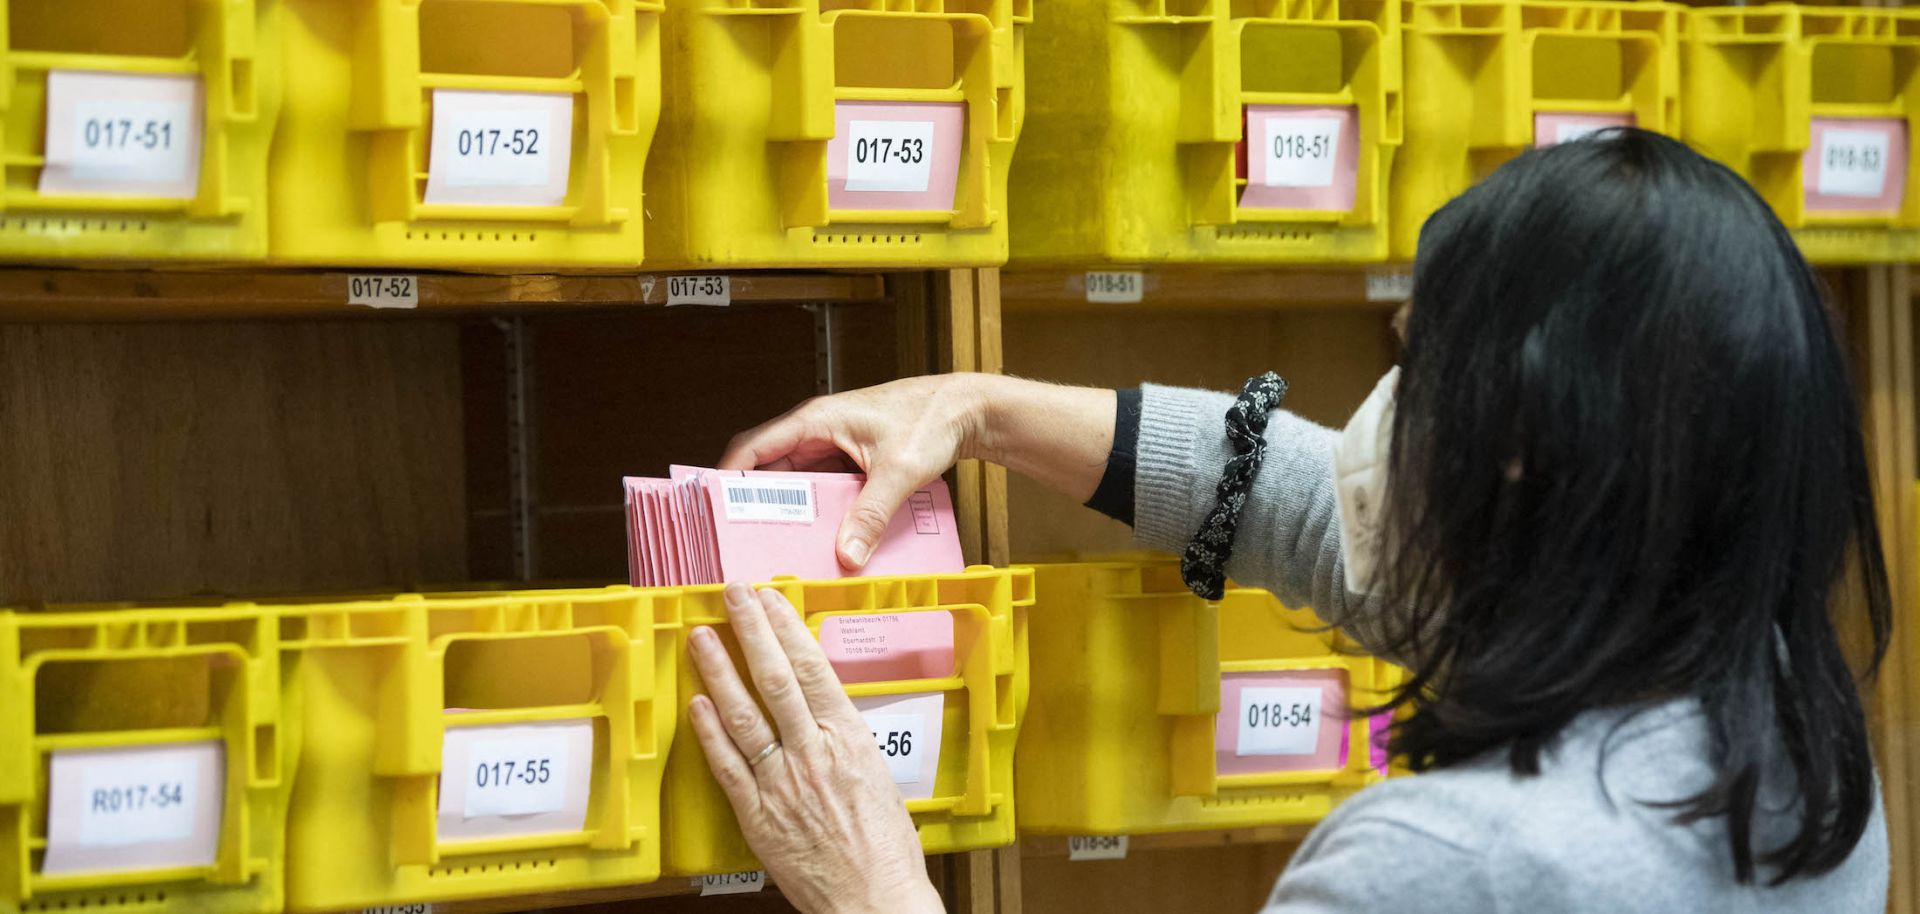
(1300, 157)
(1292, 720)
(134, 807)
(890, 646)
(894, 155)
(511, 780)
(1550, 129)
(1856, 164)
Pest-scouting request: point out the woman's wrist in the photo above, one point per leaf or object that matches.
(1056, 434)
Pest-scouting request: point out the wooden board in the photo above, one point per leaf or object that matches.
(67, 295)
(629, 393)
(1229, 880)
(165, 460)
(1330, 356)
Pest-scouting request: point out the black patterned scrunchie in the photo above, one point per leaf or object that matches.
(1204, 565)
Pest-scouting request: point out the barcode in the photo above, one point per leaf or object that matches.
(796, 497)
(783, 501)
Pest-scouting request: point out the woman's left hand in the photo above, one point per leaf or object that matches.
(814, 799)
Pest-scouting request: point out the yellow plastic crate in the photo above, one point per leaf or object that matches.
(378, 687)
(1149, 116)
(743, 173)
(141, 680)
(1492, 78)
(1128, 731)
(1793, 97)
(972, 803)
(352, 165)
(227, 49)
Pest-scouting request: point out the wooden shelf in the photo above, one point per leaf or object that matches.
(1052, 846)
(44, 294)
(1206, 288)
(668, 886)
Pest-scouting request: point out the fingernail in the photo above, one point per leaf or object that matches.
(703, 637)
(739, 594)
(857, 550)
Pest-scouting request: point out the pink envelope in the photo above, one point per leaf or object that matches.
(895, 155)
(756, 545)
(889, 647)
(1300, 157)
(1315, 741)
(1551, 129)
(1856, 164)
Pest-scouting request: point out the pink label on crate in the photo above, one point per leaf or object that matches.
(1292, 720)
(1300, 157)
(895, 155)
(1554, 129)
(889, 647)
(1856, 164)
(1379, 729)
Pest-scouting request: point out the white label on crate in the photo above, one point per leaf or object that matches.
(415, 908)
(1571, 131)
(1301, 151)
(1279, 721)
(732, 883)
(504, 780)
(906, 731)
(122, 134)
(383, 291)
(1389, 286)
(134, 808)
(1115, 287)
(500, 148)
(758, 498)
(1853, 163)
(893, 156)
(713, 289)
(1097, 847)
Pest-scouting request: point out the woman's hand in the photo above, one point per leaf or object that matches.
(814, 799)
(904, 434)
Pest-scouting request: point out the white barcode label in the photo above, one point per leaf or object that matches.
(392, 291)
(416, 908)
(732, 883)
(889, 156)
(714, 290)
(1389, 286)
(1853, 163)
(1097, 847)
(134, 807)
(122, 134)
(1301, 151)
(1283, 721)
(760, 499)
(1114, 287)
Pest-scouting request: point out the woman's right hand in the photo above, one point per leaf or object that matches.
(904, 434)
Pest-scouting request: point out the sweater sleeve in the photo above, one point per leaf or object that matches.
(1365, 866)
(1288, 540)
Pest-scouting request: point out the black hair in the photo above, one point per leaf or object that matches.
(1627, 466)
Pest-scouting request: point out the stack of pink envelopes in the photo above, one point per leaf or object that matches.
(703, 526)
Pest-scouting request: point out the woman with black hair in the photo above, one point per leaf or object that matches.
(1608, 510)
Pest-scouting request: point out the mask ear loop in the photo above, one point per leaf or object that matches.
(1204, 564)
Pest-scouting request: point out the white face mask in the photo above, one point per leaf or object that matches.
(1360, 461)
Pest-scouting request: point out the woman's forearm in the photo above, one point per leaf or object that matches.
(1055, 434)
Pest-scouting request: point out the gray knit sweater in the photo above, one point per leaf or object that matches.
(1471, 838)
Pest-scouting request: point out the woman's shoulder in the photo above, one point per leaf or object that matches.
(1589, 831)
